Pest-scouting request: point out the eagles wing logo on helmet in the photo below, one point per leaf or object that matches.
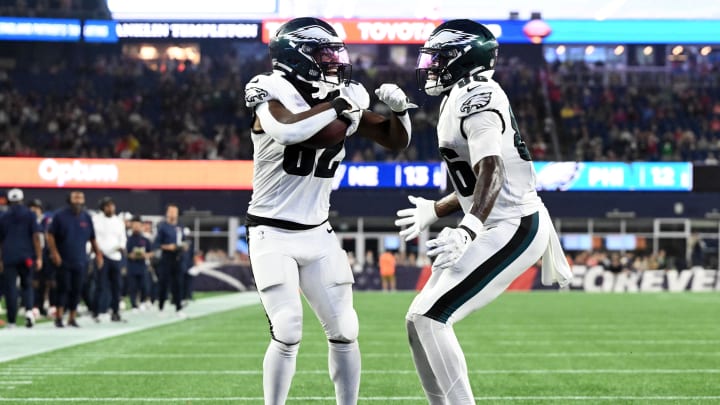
(475, 103)
(449, 37)
(312, 33)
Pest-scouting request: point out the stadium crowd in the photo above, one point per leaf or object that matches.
(55, 8)
(119, 107)
(615, 115)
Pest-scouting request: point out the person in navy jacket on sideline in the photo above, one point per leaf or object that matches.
(70, 230)
(170, 241)
(21, 255)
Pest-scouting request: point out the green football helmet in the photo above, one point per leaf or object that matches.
(310, 49)
(455, 49)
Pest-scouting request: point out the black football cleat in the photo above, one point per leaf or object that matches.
(59, 323)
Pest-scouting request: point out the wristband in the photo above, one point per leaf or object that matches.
(472, 225)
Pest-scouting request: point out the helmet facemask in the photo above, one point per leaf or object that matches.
(433, 75)
(333, 63)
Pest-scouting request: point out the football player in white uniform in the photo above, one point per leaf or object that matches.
(505, 228)
(298, 109)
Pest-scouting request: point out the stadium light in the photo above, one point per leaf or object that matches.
(148, 52)
(560, 50)
(705, 50)
(677, 50)
(619, 50)
(648, 50)
(589, 50)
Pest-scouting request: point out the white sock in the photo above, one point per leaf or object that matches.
(278, 371)
(344, 366)
(444, 356)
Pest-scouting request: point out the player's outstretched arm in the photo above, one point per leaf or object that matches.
(424, 213)
(387, 132)
(392, 132)
(447, 205)
(288, 128)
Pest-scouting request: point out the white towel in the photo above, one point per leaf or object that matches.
(555, 267)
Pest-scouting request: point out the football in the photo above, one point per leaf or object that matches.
(332, 134)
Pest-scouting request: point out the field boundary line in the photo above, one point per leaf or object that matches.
(45, 337)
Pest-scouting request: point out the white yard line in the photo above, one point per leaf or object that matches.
(505, 342)
(550, 342)
(324, 371)
(45, 337)
(376, 399)
(98, 355)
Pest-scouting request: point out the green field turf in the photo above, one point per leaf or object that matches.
(523, 348)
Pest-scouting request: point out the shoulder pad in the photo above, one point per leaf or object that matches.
(473, 97)
(260, 89)
(357, 93)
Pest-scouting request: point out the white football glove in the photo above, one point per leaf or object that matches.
(359, 100)
(417, 219)
(353, 117)
(394, 97)
(452, 243)
(357, 94)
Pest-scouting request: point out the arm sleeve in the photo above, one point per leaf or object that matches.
(484, 135)
(289, 134)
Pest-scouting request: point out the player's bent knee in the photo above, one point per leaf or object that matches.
(286, 327)
(417, 323)
(346, 330)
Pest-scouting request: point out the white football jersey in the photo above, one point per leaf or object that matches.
(290, 183)
(476, 121)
